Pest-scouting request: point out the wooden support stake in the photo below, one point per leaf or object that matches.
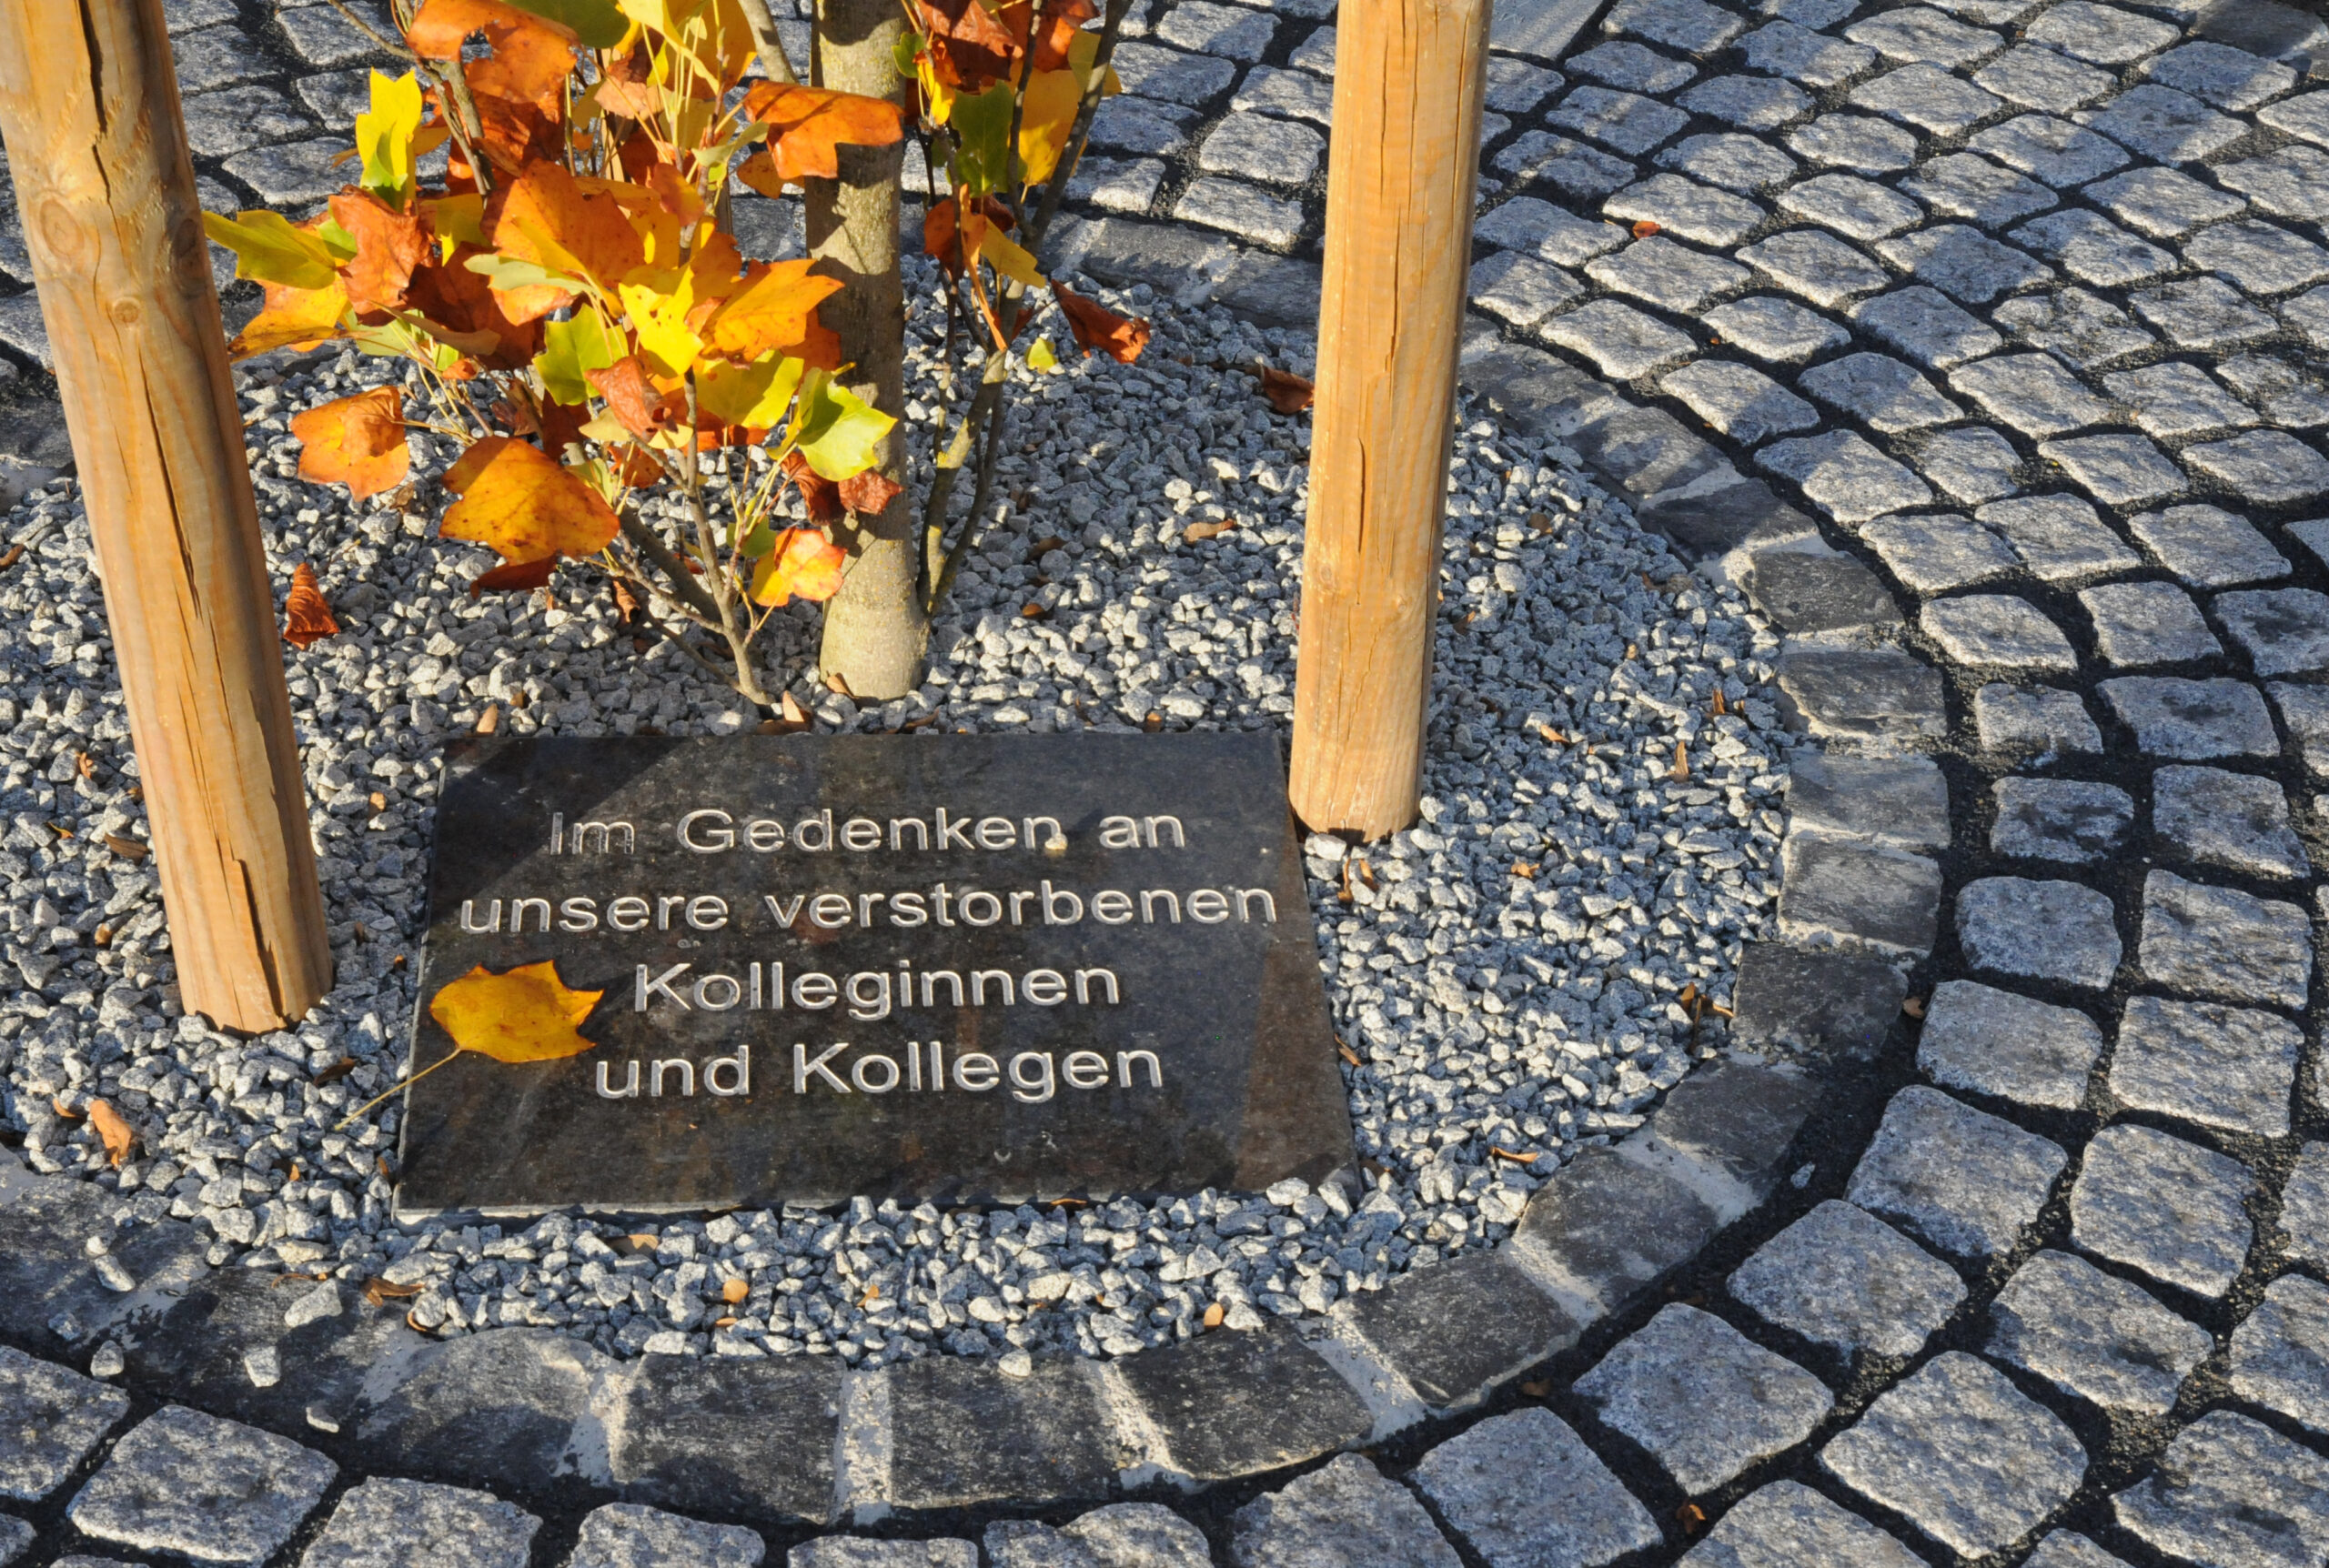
(1408, 80)
(97, 146)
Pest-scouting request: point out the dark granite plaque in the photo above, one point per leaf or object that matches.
(956, 967)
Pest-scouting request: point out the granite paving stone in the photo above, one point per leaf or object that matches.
(1878, 693)
(1856, 208)
(1316, 53)
(1123, 1535)
(1858, 142)
(2147, 623)
(2094, 1335)
(322, 36)
(1900, 802)
(1522, 290)
(2203, 312)
(1748, 103)
(1118, 184)
(1233, 32)
(2049, 149)
(2166, 1207)
(1883, 393)
(1778, 330)
(2162, 203)
(1804, 591)
(1821, 268)
(1734, 162)
(1692, 210)
(1963, 263)
(1701, 1399)
(1626, 123)
(1962, 1454)
(214, 58)
(1135, 125)
(1839, 891)
(2286, 394)
(2308, 312)
(2093, 250)
(1934, 554)
(2290, 182)
(15, 1540)
(2030, 392)
(1524, 222)
(1523, 1491)
(2284, 632)
(2235, 820)
(1843, 1278)
(1622, 341)
(2304, 1207)
(1786, 1525)
(2269, 466)
(2231, 1492)
(2208, 547)
(2260, 257)
(2034, 720)
(291, 174)
(1666, 274)
(2051, 931)
(1971, 464)
(1966, 1181)
(1843, 475)
(1961, 185)
(2105, 35)
(1743, 403)
(1996, 1042)
(1260, 148)
(384, 1523)
(2221, 942)
(2082, 328)
(1157, 73)
(2119, 470)
(2305, 710)
(2306, 116)
(1799, 55)
(2227, 77)
(1241, 209)
(1345, 1511)
(51, 1419)
(858, 1552)
(228, 121)
(2041, 79)
(1922, 324)
(631, 1536)
(1814, 1003)
(1928, 97)
(2061, 538)
(1920, 33)
(2067, 1548)
(2280, 1355)
(1690, 25)
(1629, 66)
(1295, 93)
(2192, 721)
(2223, 1067)
(193, 1484)
(2163, 124)
(1997, 630)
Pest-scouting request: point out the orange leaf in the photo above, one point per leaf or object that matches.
(631, 100)
(531, 59)
(1287, 392)
(293, 318)
(772, 313)
(1062, 21)
(526, 1015)
(461, 302)
(120, 1137)
(820, 495)
(804, 565)
(516, 499)
(969, 47)
(546, 219)
(388, 245)
(515, 576)
(442, 26)
(356, 441)
(306, 616)
(805, 124)
(643, 410)
(735, 1291)
(1645, 227)
(868, 492)
(1119, 337)
(941, 231)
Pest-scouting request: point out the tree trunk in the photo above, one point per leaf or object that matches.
(875, 631)
(1408, 80)
(89, 108)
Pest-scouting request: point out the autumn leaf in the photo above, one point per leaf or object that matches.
(597, 23)
(293, 318)
(1287, 392)
(268, 249)
(819, 497)
(807, 124)
(981, 126)
(356, 441)
(772, 313)
(1119, 337)
(385, 134)
(836, 430)
(870, 493)
(645, 411)
(526, 1015)
(750, 396)
(572, 350)
(442, 26)
(734, 1290)
(120, 1137)
(548, 219)
(804, 565)
(969, 47)
(515, 498)
(307, 619)
(1047, 114)
(389, 245)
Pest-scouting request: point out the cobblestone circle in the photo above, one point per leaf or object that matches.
(1983, 342)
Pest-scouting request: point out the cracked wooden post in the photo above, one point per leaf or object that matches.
(1408, 80)
(96, 144)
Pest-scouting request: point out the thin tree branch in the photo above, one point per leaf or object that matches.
(773, 60)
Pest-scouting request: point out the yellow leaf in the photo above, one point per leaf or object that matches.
(516, 499)
(657, 305)
(569, 348)
(1045, 116)
(526, 1015)
(460, 219)
(1039, 355)
(268, 249)
(755, 395)
(1008, 257)
(384, 136)
(294, 317)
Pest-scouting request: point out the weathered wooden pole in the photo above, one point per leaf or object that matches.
(1408, 80)
(89, 109)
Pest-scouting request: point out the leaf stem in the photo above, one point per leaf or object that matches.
(406, 1082)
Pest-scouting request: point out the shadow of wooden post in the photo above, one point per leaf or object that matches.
(98, 149)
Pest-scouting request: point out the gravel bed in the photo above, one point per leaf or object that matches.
(1516, 977)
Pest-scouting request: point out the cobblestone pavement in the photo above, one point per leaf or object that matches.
(2019, 308)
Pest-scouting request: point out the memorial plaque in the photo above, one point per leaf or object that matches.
(962, 967)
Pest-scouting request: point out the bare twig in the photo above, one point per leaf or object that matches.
(772, 58)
